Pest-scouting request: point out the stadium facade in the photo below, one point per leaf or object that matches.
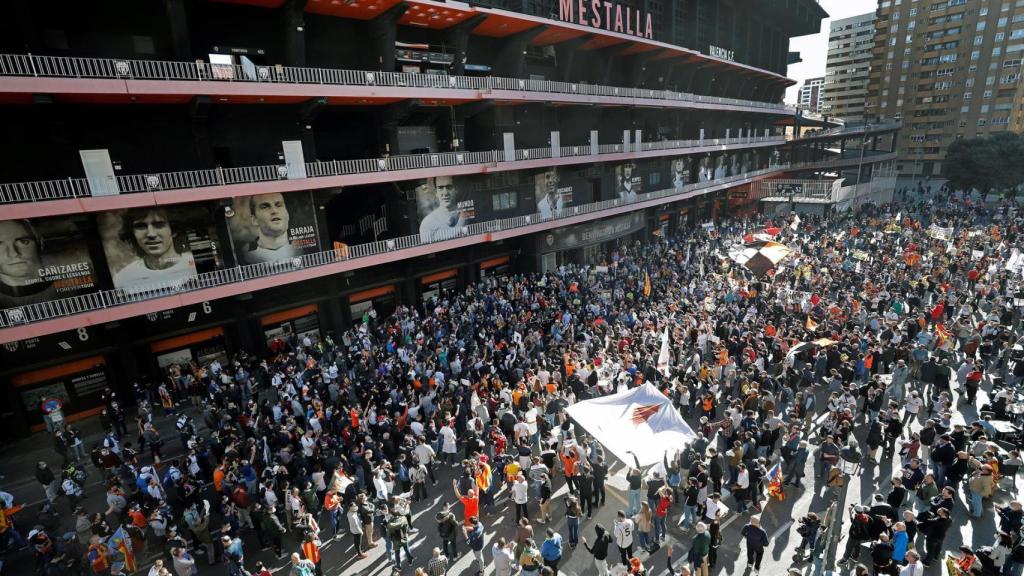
(190, 178)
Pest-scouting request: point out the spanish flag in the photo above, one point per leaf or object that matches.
(647, 285)
(810, 324)
(941, 334)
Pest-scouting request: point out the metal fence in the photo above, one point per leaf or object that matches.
(69, 67)
(79, 187)
(120, 296)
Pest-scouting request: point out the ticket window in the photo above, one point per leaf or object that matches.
(77, 385)
(382, 301)
(439, 285)
(201, 347)
(496, 267)
(302, 322)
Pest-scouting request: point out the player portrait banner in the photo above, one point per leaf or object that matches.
(271, 227)
(43, 259)
(551, 192)
(628, 182)
(158, 246)
(640, 423)
(444, 207)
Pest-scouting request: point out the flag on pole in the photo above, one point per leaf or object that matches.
(796, 222)
(775, 482)
(663, 356)
(120, 544)
(941, 334)
(810, 324)
(647, 284)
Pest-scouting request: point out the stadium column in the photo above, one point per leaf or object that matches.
(511, 59)
(199, 113)
(308, 111)
(565, 54)
(388, 119)
(177, 23)
(462, 113)
(383, 32)
(245, 326)
(458, 38)
(63, 157)
(293, 17)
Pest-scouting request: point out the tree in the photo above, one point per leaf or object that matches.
(993, 163)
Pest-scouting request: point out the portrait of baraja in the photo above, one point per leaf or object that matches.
(270, 227)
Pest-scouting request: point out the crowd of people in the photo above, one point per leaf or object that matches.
(856, 349)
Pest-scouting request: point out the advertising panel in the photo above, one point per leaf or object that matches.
(269, 227)
(158, 245)
(43, 259)
(302, 322)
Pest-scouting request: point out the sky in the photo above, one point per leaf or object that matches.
(814, 49)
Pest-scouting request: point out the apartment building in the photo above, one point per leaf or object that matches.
(850, 44)
(949, 69)
(810, 96)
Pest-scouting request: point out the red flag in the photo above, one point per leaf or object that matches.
(815, 300)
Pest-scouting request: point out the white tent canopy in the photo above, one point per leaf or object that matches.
(640, 422)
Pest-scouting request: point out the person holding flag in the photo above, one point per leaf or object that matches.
(119, 551)
(775, 482)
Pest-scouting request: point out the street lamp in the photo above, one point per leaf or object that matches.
(860, 164)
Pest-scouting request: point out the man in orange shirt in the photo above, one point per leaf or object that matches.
(570, 459)
(470, 502)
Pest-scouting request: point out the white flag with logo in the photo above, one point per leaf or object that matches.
(637, 426)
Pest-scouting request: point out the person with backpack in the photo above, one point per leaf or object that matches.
(475, 538)
(398, 536)
(860, 532)
(600, 549)
(301, 566)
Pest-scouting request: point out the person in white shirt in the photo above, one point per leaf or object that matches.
(504, 557)
(531, 421)
(623, 533)
(161, 254)
(449, 444)
(269, 216)
(914, 566)
(549, 201)
(520, 496)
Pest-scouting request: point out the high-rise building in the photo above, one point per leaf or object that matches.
(809, 97)
(850, 43)
(950, 69)
(185, 179)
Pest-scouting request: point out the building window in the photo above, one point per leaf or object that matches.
(975, 55)
(981, 25)
(981, 122)
(979, 40)
(504, 201)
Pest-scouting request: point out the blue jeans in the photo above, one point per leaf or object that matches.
(634, 502)
(660, 531)
(689, 515)
(976, 506)
(398, 552)
(574, 530)
(644, 539)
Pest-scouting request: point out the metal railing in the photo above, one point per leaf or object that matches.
(71, 67)
(854, 129)
(45, 190)
(110, 298)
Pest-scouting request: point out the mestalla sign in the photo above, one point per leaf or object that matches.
(607, 15)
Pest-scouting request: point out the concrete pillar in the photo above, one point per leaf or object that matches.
(625, 140)
(594, 145)
(511, 58)
(383, 31)
(458, 39)
(294, 21)
(556, 144)
(177, 24)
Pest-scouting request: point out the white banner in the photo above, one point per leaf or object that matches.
(640, 423)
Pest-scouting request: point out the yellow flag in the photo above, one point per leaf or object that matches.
(647, 285)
